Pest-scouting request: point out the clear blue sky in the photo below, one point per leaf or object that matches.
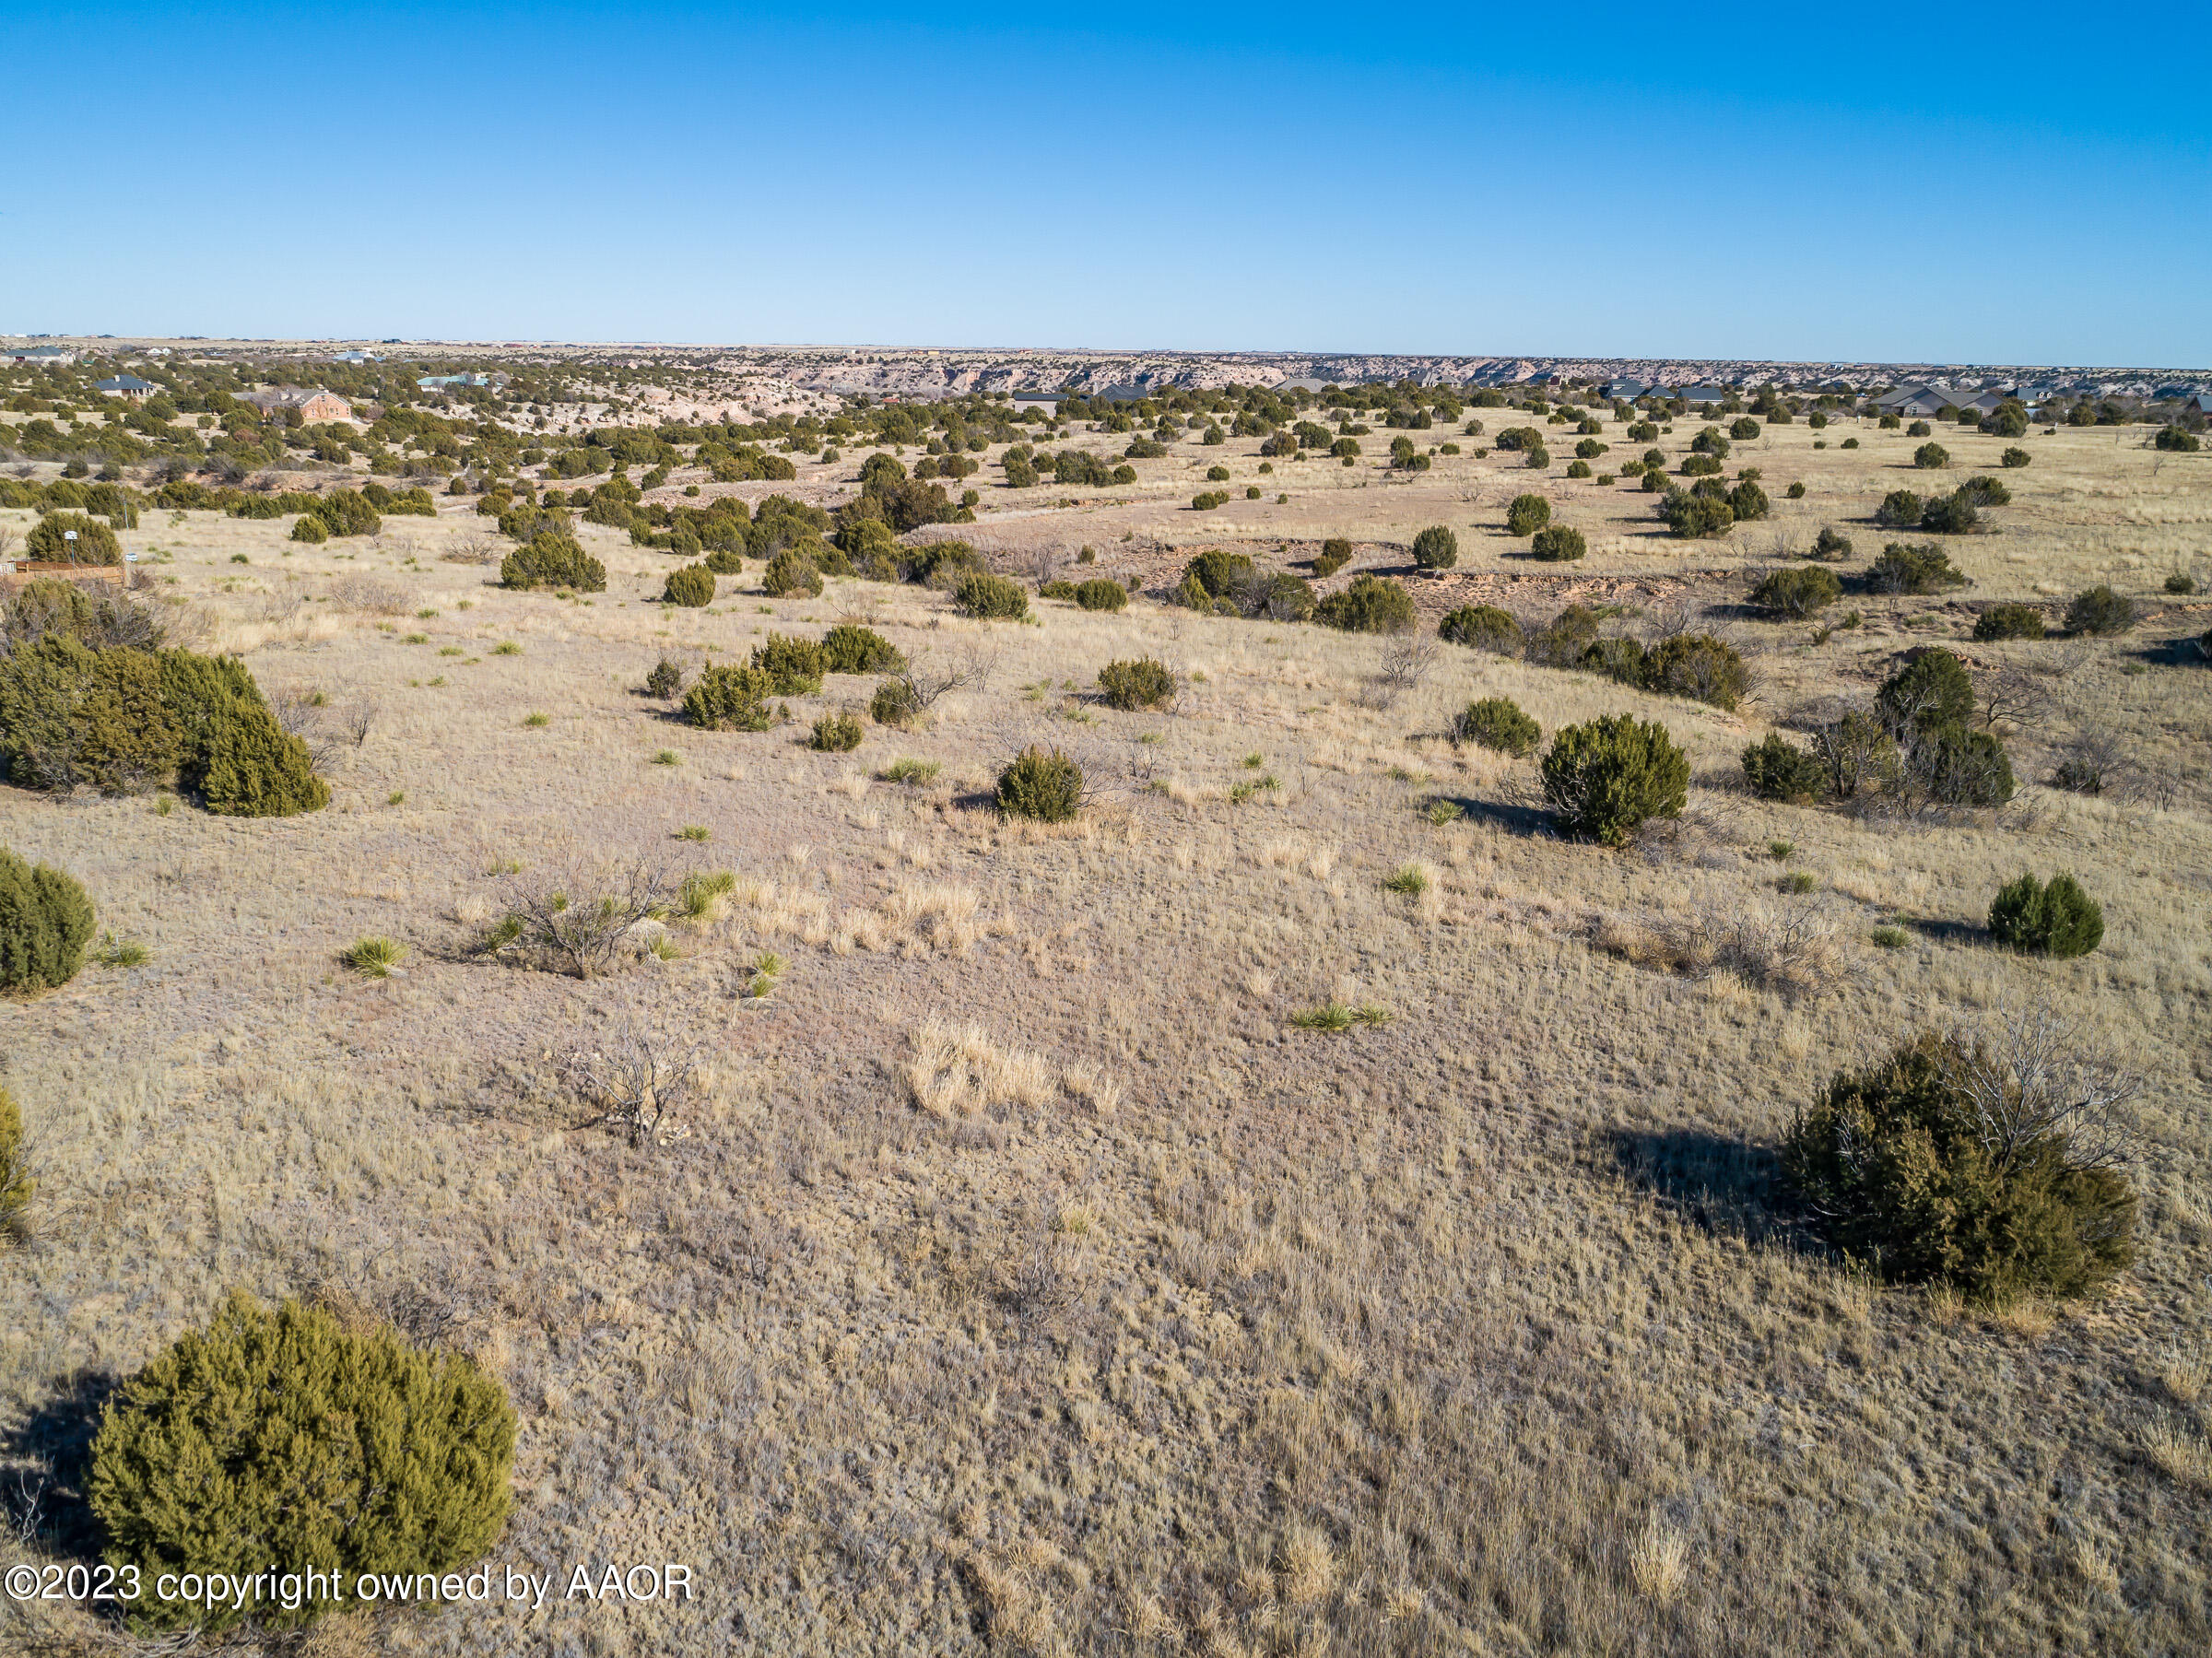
(1972, 184)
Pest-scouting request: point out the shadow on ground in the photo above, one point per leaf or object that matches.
(1725, 1186)
(45, 1462)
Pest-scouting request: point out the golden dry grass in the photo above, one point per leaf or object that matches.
(1024, 1281)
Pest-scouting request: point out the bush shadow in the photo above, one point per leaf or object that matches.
(45, 1489)
(1721, 1183)
(1513, 816)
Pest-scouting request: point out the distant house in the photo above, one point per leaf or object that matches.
(1986, 404)
(1039, 400)
(1305, 382)
(1695, 394)
(127, 385)
(356, 357)
(440, 382)
(42, 356)
(1914, 399)
(315, 405)
(1625, 391)
(2199, 404)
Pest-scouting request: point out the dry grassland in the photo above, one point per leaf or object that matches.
(1022, 1280)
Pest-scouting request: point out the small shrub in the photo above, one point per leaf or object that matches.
(2177, 440)
(896, 703)
(1696, 517)
(2009, 621)
(730, 697)
(2014, 458)
(1219, 573)
(1930, 689)
(1778, 770)
(16, 1186)
(911, 772)
(835, 734)
(49, 540)
(287, 1435)
(1144, 683)
(372, 957)
(2058, 919)
(2100, 611)
(1099, 593)
(1930, 457)
(1749, 502)
(1370, 604)
(1057, 589)
(692, 586)
(666, 679)
(794, 667)
(1410, 880)
(991, 597)
(726, 562)
(1830, 544)
(1046, 786)
(1435, 548)
(2181, 585)
(1335, 553)
(851, 649)
(1904, 568)
(1205, 501)
(1497, 722)
(551, 560)
(1482, 627)
(45, 923)
(1951, 1163)
(1954, 514)
(310, 530)
(791, 575)
(1919, 428)
(1797, 592)
(1556, 544)
(1889, 938)
(1900, 510)
(1528, 514)
(1607, 777)
(1698, 667)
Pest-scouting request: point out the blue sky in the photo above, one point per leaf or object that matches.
(2022, 184)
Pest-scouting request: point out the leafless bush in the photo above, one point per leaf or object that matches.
(2095, 762)
(637, 1083)
(2036, 1076)
(357, 721)
(372, 594)
(1045, 563)
(582, 918)
(1793, 952)
(1663, 622)
(930, 676)
(2023, 694)
(476, 547)
(1407, 660)
(297, 713)
(7, 542)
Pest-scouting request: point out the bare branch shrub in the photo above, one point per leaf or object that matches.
(2035, 1075)
(1793, 952)
(638, 1083)
(1407, 660)
(371, 594)
(581, 917)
